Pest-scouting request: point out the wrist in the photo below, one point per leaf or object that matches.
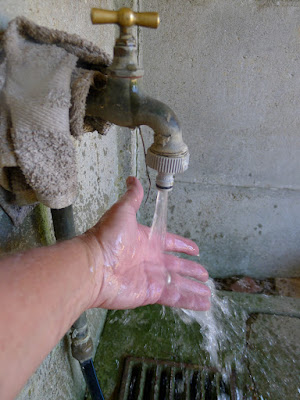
(94, 255)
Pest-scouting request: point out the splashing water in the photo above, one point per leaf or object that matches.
(223, 332)
(210, 322)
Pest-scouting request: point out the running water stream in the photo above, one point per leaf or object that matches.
(210, 322)
(159, 223)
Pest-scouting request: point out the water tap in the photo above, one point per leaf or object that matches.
(123, 102)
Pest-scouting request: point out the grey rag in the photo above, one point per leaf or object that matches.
(45, 77)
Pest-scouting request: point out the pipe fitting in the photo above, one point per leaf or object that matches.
(82, 349)
(164, 181)
(166, 168)
(82, 344)
(167, 165)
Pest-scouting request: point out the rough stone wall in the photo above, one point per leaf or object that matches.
(230, 70)
(103, 164)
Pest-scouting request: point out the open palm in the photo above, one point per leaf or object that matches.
(136, 270)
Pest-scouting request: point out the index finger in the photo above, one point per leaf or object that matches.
(180, 244)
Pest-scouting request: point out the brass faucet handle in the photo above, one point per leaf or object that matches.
(125, 17)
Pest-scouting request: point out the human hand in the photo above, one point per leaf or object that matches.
(136, 271)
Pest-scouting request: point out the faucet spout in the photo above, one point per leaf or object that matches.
(167, 131)
(168, 154)
(123, 102)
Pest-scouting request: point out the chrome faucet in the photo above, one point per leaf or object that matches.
(123, 102)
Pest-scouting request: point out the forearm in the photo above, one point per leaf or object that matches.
(42, 292)
(114, 265)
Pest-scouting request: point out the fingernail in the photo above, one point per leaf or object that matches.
(205, 290)
(129, 181)
(197, 254)
(205, 276)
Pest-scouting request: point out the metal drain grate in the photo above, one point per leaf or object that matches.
(145, 379)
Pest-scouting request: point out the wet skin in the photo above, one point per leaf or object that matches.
(135, 270)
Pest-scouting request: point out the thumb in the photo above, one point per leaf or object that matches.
(135, 193)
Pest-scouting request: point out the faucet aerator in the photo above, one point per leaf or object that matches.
(164, 181)
(166, 168)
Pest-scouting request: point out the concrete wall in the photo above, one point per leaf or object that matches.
(103, 164)
(230, 70)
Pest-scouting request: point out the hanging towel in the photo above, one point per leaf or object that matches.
(45, 77)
